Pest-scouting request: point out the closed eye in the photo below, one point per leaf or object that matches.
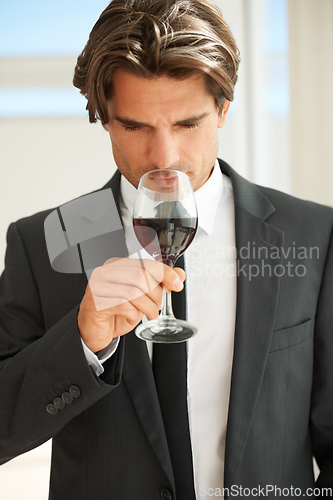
(186, 126)
(190, 125)
(129, 125)
(131, 128)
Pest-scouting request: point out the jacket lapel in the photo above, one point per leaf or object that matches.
(257, 295)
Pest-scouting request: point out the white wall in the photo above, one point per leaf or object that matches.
(311, 84)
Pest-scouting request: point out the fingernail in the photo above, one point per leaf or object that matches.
(179, 284)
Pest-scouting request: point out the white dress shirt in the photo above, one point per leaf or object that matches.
(210, 264)
(211, 301)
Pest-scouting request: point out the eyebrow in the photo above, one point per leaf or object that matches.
(127, 122)
(193, 119)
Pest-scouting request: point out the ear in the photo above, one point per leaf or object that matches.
(223, 114)
(106, 127)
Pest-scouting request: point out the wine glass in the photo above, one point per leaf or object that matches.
(165, 221)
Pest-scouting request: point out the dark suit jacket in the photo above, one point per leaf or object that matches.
(109, 442)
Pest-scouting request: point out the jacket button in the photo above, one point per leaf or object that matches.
(51, 409)
(59, 403)
(67, 398)
(74, 391)
(166, 494)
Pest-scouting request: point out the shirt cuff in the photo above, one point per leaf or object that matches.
(96, 360)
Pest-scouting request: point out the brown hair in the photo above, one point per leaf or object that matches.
(148, 38)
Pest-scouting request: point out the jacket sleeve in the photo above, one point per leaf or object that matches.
(45, 379)
(322, 393)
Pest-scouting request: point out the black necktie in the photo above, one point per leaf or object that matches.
(170, 372)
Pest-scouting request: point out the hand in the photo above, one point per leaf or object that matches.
(119, 294)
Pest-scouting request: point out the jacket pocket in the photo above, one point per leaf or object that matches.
(291, 336)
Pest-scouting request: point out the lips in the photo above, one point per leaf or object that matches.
(163, 179)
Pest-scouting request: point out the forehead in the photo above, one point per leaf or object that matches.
(157, 96)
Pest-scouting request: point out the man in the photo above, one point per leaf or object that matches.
(160, 76)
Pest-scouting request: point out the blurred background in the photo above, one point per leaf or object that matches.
(278, 132)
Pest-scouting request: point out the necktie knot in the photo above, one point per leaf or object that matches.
(169, 209)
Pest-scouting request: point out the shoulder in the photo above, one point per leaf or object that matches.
(305, 224)
(33, 226)
(28, 230)
(294, 209)
(277, 203)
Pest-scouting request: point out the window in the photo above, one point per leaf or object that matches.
(39, 43)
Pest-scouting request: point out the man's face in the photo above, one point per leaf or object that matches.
(163, 123)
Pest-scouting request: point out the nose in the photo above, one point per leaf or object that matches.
(163, 150)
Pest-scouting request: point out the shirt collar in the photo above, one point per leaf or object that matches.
(127, 194)
(207, 198)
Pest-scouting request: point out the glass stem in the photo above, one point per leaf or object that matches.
(166, 304)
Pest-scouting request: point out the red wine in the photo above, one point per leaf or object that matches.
(165, 239)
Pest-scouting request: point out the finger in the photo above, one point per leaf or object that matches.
(181, 273)
(133, 311)
(126, 282)
(130, 272)
(172, 278)
(148, 307)
(145, 274)
(119, 312)
(112, 295)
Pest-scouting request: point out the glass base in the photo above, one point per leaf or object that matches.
(165, 330)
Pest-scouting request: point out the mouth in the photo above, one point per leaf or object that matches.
(164, 181)
(163, 178)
